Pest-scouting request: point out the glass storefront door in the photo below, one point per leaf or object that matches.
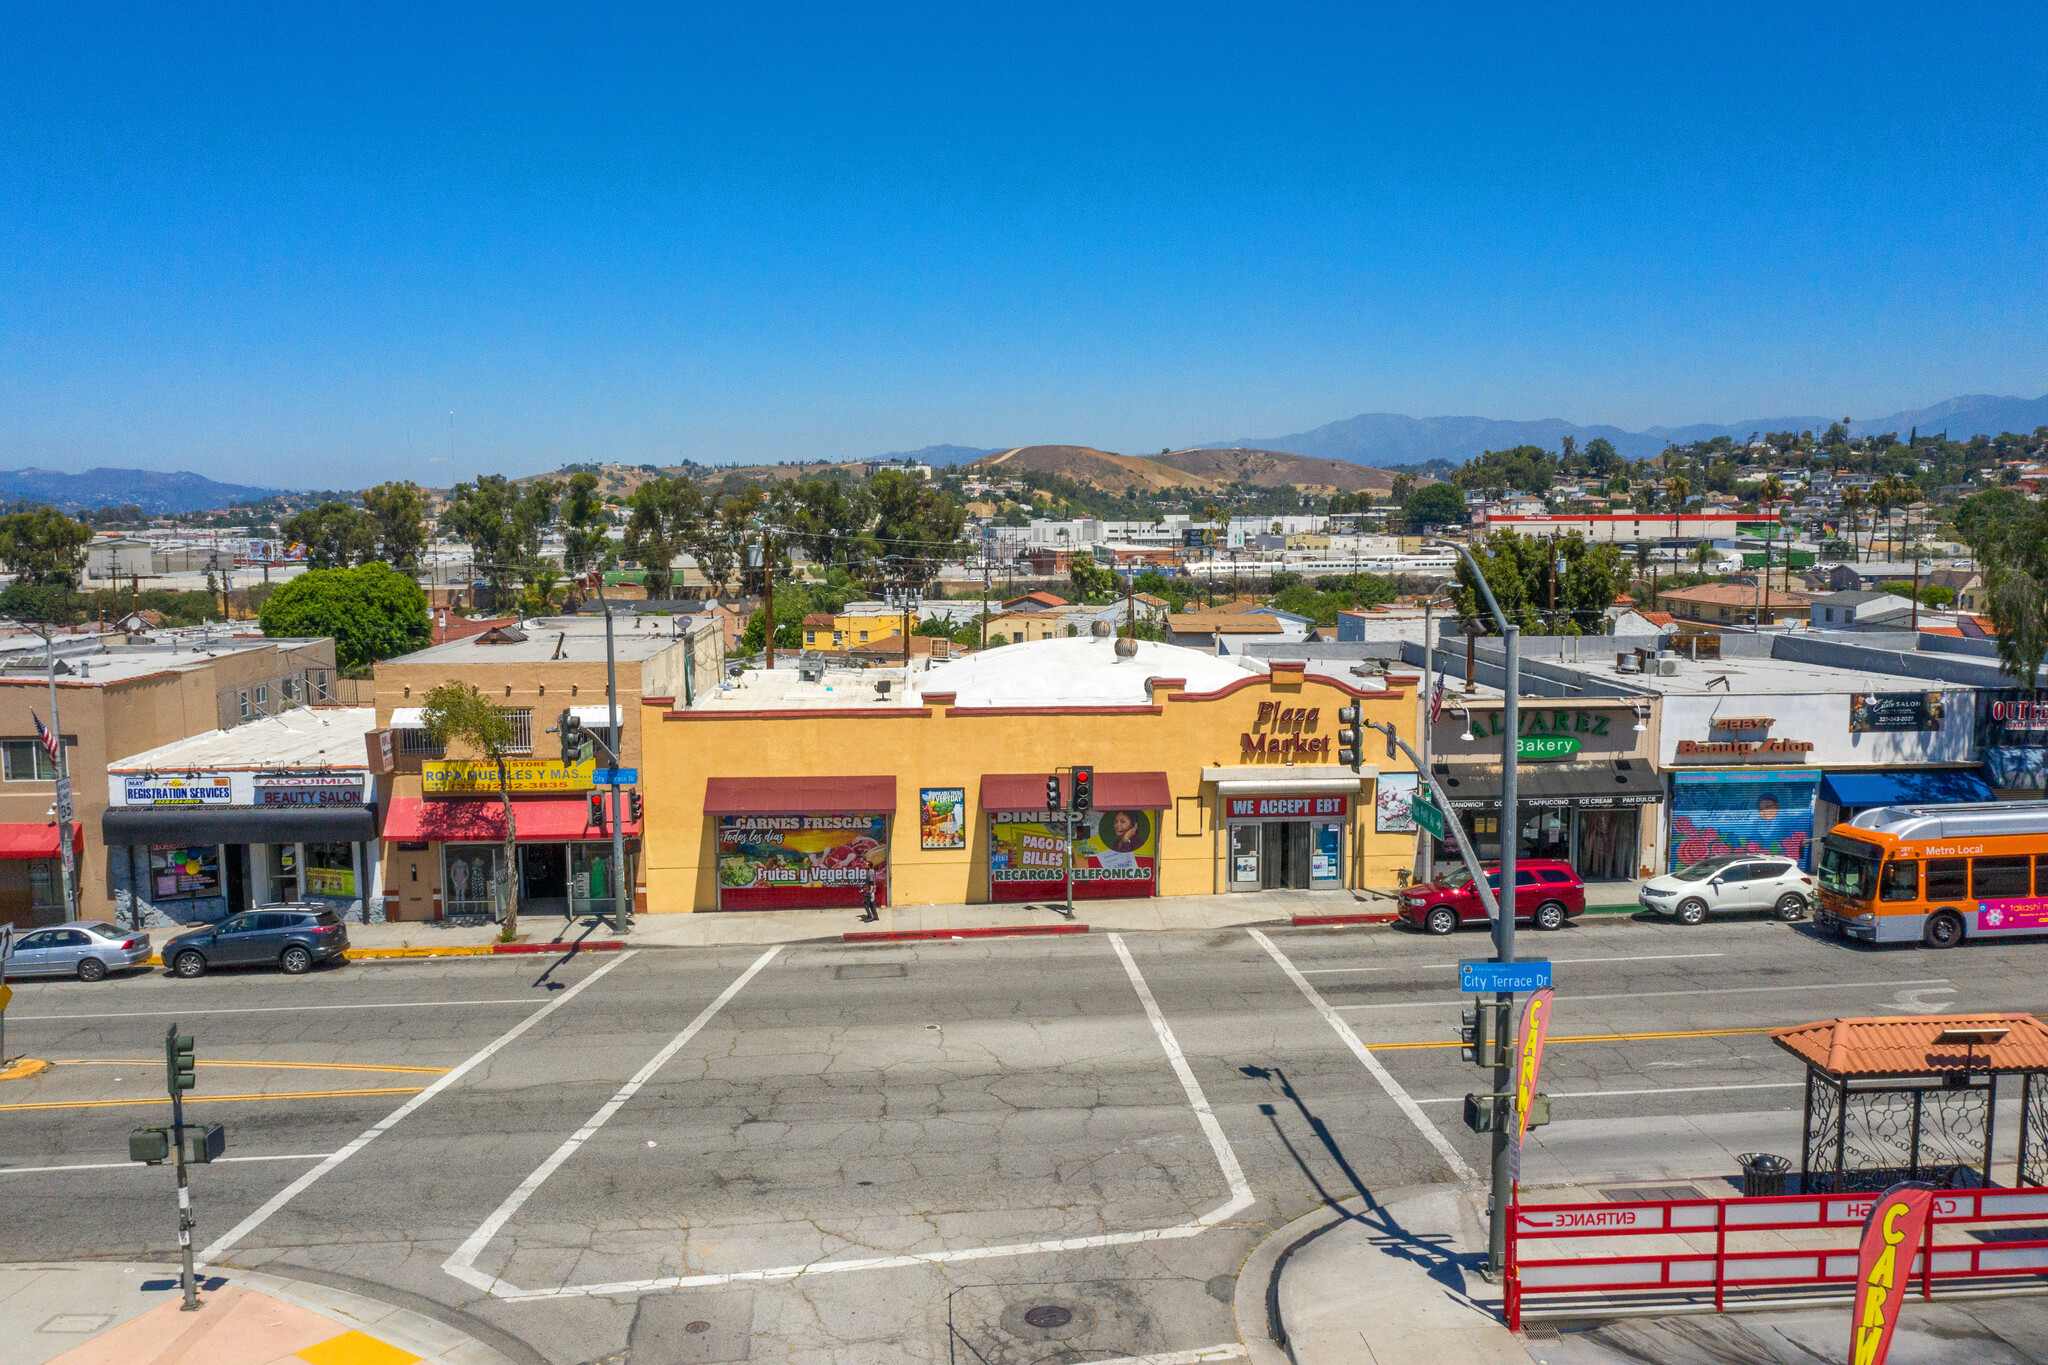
(592, 888)
(544, 878)
(1607, 845)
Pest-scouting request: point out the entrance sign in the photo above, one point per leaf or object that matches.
(1479, 978)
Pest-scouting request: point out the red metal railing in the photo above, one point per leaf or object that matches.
(1669, 1272)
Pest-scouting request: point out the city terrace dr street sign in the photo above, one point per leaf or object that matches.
(1478, 978)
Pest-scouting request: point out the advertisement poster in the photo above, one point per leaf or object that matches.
(1873, 711)
(182, 872)
(468, 777)
(942, 817)
(794, 862)
(1116, 854)
(331, 881)
(175, 791)
(1391, 801)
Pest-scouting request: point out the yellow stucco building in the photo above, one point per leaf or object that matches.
(844, 632)
(1211, 774)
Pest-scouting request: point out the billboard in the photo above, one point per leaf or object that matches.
(793, 862)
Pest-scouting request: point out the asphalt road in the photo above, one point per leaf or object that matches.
(643, 1150)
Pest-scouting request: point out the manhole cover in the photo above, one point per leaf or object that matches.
(1048, 1315)
(1049, 1319)
(698, 1326)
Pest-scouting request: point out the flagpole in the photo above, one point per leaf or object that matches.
(55, 748)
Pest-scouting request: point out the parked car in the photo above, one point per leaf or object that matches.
(87, 950)
(292, 938)
(1547, 894)
(1737, 882)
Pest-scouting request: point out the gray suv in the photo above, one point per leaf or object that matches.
(294, 939)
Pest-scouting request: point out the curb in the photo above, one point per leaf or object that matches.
(998, 931)
(468, 950)
(1303, 921)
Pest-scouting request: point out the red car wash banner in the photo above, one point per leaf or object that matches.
(1884, 1268)
(794, 862)
(1528, 1066)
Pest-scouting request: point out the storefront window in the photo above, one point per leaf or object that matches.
(45, 887)
(182, 872)
(1116, 853)
(284, 873)
(1546, 833)
(470, 870)
(783, 862)
(331, 870)
(592, 888)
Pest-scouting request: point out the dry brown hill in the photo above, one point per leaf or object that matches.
(1195, 471)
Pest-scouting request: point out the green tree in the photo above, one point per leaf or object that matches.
(43, 547)
(503, 525)
(1601, 458)
(667, 520)
(1978, 515)
(914, 523)
(1090, 583)
(1436, 504)
(458, 711)
(827, 520)
(1519, 569)
(586, 533)
(334, 535)
(1401, 489)
(372, 612)
(398, 522)
(1524, 469)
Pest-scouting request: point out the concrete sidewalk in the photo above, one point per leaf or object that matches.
(92, 1313)
(1368, 1283)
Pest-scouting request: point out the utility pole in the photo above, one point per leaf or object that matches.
(1426, 721)
(767, 594)
(66, 863)
(987, 573)
(622, 885)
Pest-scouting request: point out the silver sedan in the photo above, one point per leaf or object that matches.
(87, 950)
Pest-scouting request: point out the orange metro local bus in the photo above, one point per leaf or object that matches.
(1936, 874)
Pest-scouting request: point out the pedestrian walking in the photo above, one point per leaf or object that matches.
(867, 902)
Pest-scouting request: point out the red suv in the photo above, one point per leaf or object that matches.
(1547, 894)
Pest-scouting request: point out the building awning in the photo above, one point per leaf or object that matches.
(1113, 791)
(36, 841)
(1301, 780)
(536, 819)
(597, 717)
(409, 718)
(1589, 786)
(802, 796)
(238, 825)
(1909, 1047)
(1862, 790)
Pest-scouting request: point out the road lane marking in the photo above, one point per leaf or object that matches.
(279, 1009)
(461, 1265)
(1660, 995)
(1653, 1090)
(143, 1165)
(491, 1049)
(1230, 1351)
(281, 1066)
(1600, 1037)
(196, 1098)
(1387, 1082)
(1556, 962)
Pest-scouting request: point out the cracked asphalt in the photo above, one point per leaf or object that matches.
(1008, 1106)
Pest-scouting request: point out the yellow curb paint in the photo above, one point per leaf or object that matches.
(194, 1097)
(23, 1069)
(282, 1066)
(1599, 1038)
(355, 1348)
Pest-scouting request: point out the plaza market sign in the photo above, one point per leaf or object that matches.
(1277, 733)
(473, 777)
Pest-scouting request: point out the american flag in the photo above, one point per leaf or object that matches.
(1436, 701)
(44, 737)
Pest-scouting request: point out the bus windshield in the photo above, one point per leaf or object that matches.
(1848, 867)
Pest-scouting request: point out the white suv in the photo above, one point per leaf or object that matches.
(1740, 882)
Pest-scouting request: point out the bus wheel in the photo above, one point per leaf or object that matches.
(1944, 930)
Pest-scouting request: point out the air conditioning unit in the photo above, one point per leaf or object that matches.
(1667, 668)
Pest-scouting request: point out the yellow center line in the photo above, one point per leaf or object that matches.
(195, 1098)
(285, 1066)
(1599, 1037)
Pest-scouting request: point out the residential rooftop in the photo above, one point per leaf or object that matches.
(560, 639)
(98, 660)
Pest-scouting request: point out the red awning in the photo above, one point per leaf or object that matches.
(800, 796)
(1113, 791)
(36, 841)
(539, 820)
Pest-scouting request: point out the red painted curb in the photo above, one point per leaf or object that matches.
(905, 935)
(595, 946)
(1301, 921)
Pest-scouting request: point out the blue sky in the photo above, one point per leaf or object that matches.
(283, 245)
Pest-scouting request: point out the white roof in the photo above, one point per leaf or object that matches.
(1080, 670)
(409, 718)
(325, 737)
(596, 717)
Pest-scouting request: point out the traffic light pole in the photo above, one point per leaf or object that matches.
(622, 885)
(172, 1077)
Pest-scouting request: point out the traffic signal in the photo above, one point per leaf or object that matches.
(204, 1142)
(149, 1144)
(573, 739)
(1472, 1037)
(1052, 791)
(180, 1066)
(1350, 738)
(1084, 790)
(634, 798)
(596, 811)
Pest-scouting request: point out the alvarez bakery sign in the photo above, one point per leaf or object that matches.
(1743, 739)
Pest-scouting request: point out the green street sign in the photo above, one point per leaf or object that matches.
(1547, 746)
(1425, 814)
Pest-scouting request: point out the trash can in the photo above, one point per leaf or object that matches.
(1762, 1174)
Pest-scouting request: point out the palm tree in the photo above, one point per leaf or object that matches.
(1773, 490)
(457, 710)
(1852, 503)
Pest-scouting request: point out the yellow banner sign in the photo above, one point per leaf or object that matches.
(466, 777)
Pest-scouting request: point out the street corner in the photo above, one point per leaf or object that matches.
(23, 1068)
(88, 1313)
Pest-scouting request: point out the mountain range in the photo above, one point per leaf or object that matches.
(1186, 471)
(152, 490)
(1383, 439)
